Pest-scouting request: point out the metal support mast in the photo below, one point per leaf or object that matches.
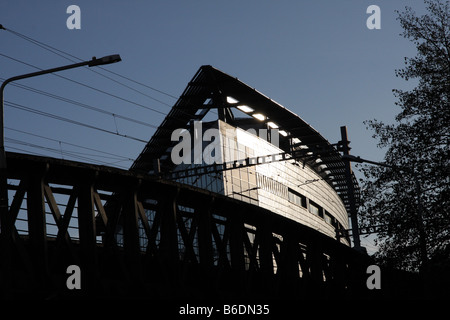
(351, 192)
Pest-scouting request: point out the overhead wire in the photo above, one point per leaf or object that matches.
(78, 155)
(90, 87)
(105, 154)
(87, 86)
(80, 104)
(83, 105)
(115, 115)
(72, 58)
(53, 116)
(66, 56)
(74, 102)
(77, 103)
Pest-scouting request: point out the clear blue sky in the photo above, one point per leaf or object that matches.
(316, 58)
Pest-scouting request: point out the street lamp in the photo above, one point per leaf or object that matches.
(422, 236)
(3, 177)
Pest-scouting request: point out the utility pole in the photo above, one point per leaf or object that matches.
(345, 148)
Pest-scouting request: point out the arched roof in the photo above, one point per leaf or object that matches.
(211, 88)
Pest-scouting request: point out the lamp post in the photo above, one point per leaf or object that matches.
(418, 191)
(3, 177)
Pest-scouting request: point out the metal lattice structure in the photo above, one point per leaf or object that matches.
(134, 235)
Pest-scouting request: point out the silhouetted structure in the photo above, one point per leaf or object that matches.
(252, 230)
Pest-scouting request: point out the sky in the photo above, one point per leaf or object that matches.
(316, 58)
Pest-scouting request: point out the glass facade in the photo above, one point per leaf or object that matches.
(289, 188)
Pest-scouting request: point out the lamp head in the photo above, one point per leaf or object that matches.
(105, 60)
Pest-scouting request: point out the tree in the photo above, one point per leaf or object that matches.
(418, 148)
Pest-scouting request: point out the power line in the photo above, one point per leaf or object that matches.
(92, 88)
(64, 55)
(71, 57)
(87, 86)
(72, 155)
(140, 83)
(108, 154)
(80, 104)
(50, 149)
(60, 118)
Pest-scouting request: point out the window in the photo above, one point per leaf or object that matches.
(315, 209)
(296, 198)
(328, 217)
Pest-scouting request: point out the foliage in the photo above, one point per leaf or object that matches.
(417, 146)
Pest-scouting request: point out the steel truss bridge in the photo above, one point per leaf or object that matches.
(133, 235)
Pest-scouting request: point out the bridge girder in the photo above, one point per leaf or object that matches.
(145, 236)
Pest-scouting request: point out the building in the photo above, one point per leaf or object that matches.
(228, 138)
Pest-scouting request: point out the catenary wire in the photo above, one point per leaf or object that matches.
(65, 55)
(53, 116)
(73, 154)
(88, 86)
(92, 88)
(80, 104)
(107, 155)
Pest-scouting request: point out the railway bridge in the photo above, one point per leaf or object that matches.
(134, 235)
